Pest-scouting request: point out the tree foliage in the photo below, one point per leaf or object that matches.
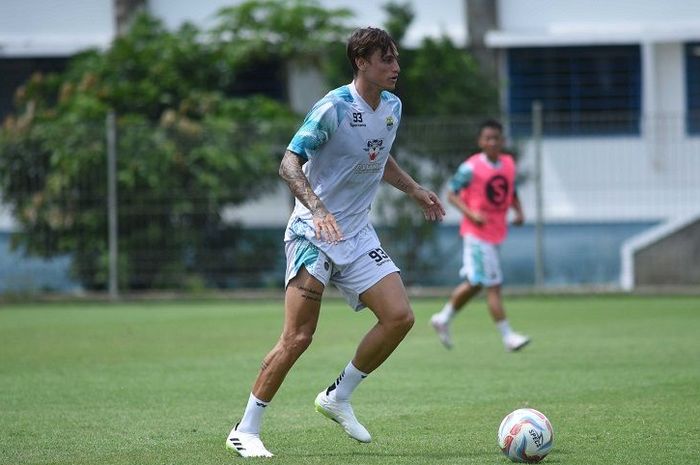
(291, 30)
(187, 145)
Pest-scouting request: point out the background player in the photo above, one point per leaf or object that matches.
(483, 189)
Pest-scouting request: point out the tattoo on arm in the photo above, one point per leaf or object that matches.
(290, 170)
(401, 184)
(394, 175)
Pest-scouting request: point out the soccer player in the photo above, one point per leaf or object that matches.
(483, 190)
(333, 166)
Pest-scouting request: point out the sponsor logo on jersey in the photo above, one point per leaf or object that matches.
(374, 146)
(389, 122)
(368, 168)
(497, 190)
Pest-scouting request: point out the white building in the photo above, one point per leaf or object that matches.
(620, 86)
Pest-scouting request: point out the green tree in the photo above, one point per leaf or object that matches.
(187, 146)
(292, 30)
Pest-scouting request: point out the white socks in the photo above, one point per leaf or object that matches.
(342, 389)
(504, 328)
(346, 383)
(446, 314)
(252, 417)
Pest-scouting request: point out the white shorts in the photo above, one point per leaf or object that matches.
(481, 262)
(352, 279)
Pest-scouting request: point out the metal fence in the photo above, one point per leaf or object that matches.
(125, 207)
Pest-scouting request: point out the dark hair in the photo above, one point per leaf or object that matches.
(364, 41)
(491, 124)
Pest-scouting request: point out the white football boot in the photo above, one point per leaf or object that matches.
(246, 444)
(514, 342)
(442, 329)
(341, 412)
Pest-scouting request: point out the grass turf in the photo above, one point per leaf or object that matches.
(162, 383)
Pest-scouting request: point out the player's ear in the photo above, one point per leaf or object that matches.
(361, 63)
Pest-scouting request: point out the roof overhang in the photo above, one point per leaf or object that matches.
(573, 34)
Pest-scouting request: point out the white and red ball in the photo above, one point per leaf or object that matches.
(525, 435)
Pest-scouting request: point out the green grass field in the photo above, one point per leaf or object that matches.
(162, 383)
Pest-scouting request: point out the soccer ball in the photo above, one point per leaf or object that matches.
(525, 435)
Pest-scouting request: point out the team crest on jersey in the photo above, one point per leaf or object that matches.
(389, 122)
(374, 146)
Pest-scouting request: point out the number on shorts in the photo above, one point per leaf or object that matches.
(377, 255)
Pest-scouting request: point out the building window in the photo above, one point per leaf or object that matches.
(692, 85)
(583, 90)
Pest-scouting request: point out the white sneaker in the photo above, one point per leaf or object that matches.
(442, 329)
(514, 342)
(341, 413)
(246, 444)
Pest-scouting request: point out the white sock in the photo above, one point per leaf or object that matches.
(252, 417)
(447, 313)
(346, 383)
(504, 328)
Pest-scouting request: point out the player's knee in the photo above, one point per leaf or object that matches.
(402, 321)
(409, 320)
(296, 342)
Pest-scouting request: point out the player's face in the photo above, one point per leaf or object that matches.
(491, 141)
(382, 69)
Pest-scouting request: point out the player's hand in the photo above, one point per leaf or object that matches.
(429, 203)
(326, 228)
(519, 219)
(477, 218)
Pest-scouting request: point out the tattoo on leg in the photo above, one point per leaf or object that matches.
(310, 294)
(263, 365)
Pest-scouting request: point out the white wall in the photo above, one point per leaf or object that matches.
(613, 179)
(643, 177)
(670, 78)
(548, 23)
(175, 12)
(54, 28)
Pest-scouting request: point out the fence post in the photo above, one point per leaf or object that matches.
(113, 227)
(539, 209)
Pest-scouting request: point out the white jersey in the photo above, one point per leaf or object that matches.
(346, 144)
